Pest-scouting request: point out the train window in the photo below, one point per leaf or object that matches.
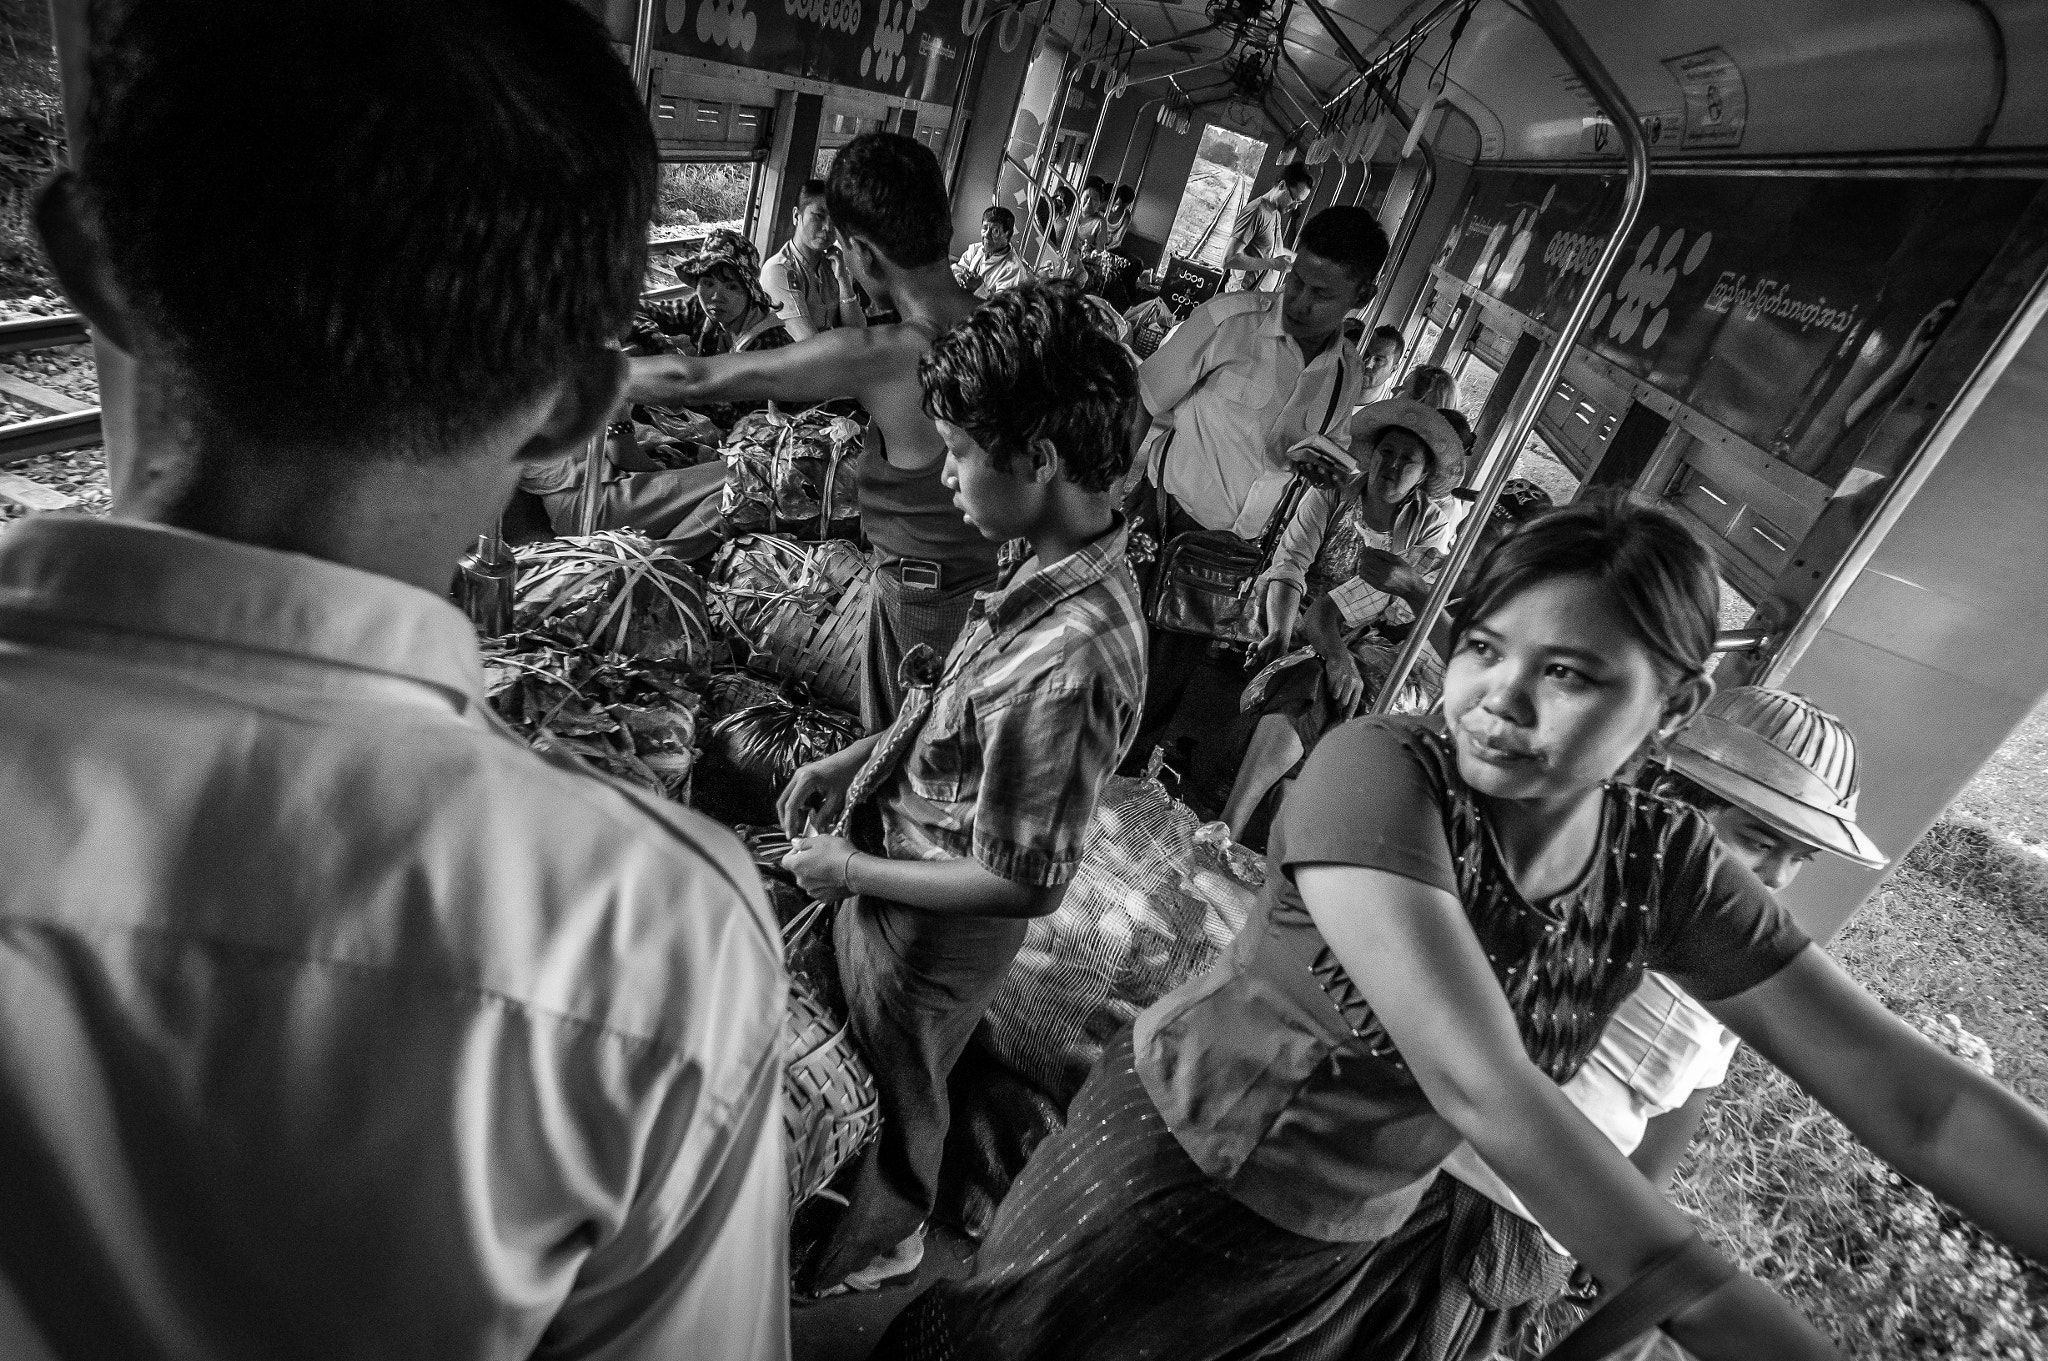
(1541, 465)
(706, 194)
(1476, 378)
(1219, 185)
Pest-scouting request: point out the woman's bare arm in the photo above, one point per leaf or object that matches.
(1937, 1120)
(1411, 951)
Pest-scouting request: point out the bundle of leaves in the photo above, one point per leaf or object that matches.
(758, 577)
(617, 592)
(632, 717)
(791, 468)
(753, 750)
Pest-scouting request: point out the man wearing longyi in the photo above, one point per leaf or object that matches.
(888, 203)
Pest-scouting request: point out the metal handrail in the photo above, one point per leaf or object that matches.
(1500, 457)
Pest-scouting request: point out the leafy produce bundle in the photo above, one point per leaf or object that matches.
(798, 610)
(631, 717)
(755, 746)
(788, 469)
(616, 592)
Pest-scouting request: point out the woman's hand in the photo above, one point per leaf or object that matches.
(818, 791)
(1347, 687)
(819, 865)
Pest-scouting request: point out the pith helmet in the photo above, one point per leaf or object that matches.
(1782, 758)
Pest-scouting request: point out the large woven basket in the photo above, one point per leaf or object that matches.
(829, 1107)
(825, 651)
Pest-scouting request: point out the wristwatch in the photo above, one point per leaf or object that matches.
(619, 427)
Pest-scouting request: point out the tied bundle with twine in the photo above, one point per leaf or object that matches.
(615, 591)
(798, 610)
(790, 472)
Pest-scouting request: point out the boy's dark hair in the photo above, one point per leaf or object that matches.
(1002, 217)
(1392, 335)
(1656, 574)
(1296, 173)
(1350, 237)
(887, 189)
(809, 190)
(364, 226)
(1034, 363)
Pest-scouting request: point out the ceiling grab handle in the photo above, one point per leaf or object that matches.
(1500, 457)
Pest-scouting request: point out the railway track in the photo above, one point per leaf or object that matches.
(68, 422)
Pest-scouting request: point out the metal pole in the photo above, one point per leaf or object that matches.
(1124, 163)
(643, 47)
(1500, 458)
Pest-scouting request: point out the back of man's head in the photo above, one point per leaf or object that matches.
(1347, 236)
(888, 190)
(370, 226)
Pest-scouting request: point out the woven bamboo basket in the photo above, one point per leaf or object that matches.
(825, 652)
(829, 1107)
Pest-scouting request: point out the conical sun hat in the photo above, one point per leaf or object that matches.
(1782, 758)
(1446, 450)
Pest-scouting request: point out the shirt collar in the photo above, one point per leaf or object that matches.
(1020, 604)
(172, 584)
(1274, 327)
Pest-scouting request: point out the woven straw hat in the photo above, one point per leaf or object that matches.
(1446, 450)
(1780, 757)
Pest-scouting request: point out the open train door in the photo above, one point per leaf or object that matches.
(1921, 592)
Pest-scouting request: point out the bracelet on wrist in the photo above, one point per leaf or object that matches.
(846, 871)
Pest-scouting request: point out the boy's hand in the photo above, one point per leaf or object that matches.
(819, 865)
(818, 791)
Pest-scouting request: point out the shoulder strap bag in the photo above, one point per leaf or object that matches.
(1205, 579)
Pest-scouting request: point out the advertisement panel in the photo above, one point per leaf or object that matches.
(1788, 308)
(911, 49)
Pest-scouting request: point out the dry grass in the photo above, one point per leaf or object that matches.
(1956, 941)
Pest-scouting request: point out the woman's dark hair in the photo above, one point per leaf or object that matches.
(887, 189)
(370, 226)
(1669, 784)
(1655, 572)
(1350, 237)
(1124, 193)
(1034, 363)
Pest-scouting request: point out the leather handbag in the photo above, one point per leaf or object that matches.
(1206, 577)
(1204, 582)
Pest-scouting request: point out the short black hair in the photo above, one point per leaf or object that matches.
(1034, 363)
(1295, 172)
(1002, 217)
(365, 226)
(1350, 237)
(1098, 184)
(809, 190)
(1124, 193)
(1390, 333)
(887, 189)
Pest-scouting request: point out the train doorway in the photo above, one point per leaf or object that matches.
(1220, 181)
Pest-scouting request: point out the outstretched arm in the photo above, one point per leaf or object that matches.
(1409, 947)
(1927, 1113)
(838, 363)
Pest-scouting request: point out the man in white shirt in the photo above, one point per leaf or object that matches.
(803, 279)
(1229, 398)
(991, 265)
(338, 1022)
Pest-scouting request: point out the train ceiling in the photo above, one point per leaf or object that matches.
(1778, 77)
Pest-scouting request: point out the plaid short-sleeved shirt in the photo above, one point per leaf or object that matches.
(1041, 700)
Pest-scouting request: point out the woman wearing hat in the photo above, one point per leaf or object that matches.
(1355, 625)
(738, 315)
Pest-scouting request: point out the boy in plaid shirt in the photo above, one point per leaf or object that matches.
(970, 811)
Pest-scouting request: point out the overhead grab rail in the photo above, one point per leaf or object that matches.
(1501, 455)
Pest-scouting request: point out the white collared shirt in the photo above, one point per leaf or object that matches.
(1230, 394)
(338, 1022)
(994, 275)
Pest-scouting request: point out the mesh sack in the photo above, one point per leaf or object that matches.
(1156, 899)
